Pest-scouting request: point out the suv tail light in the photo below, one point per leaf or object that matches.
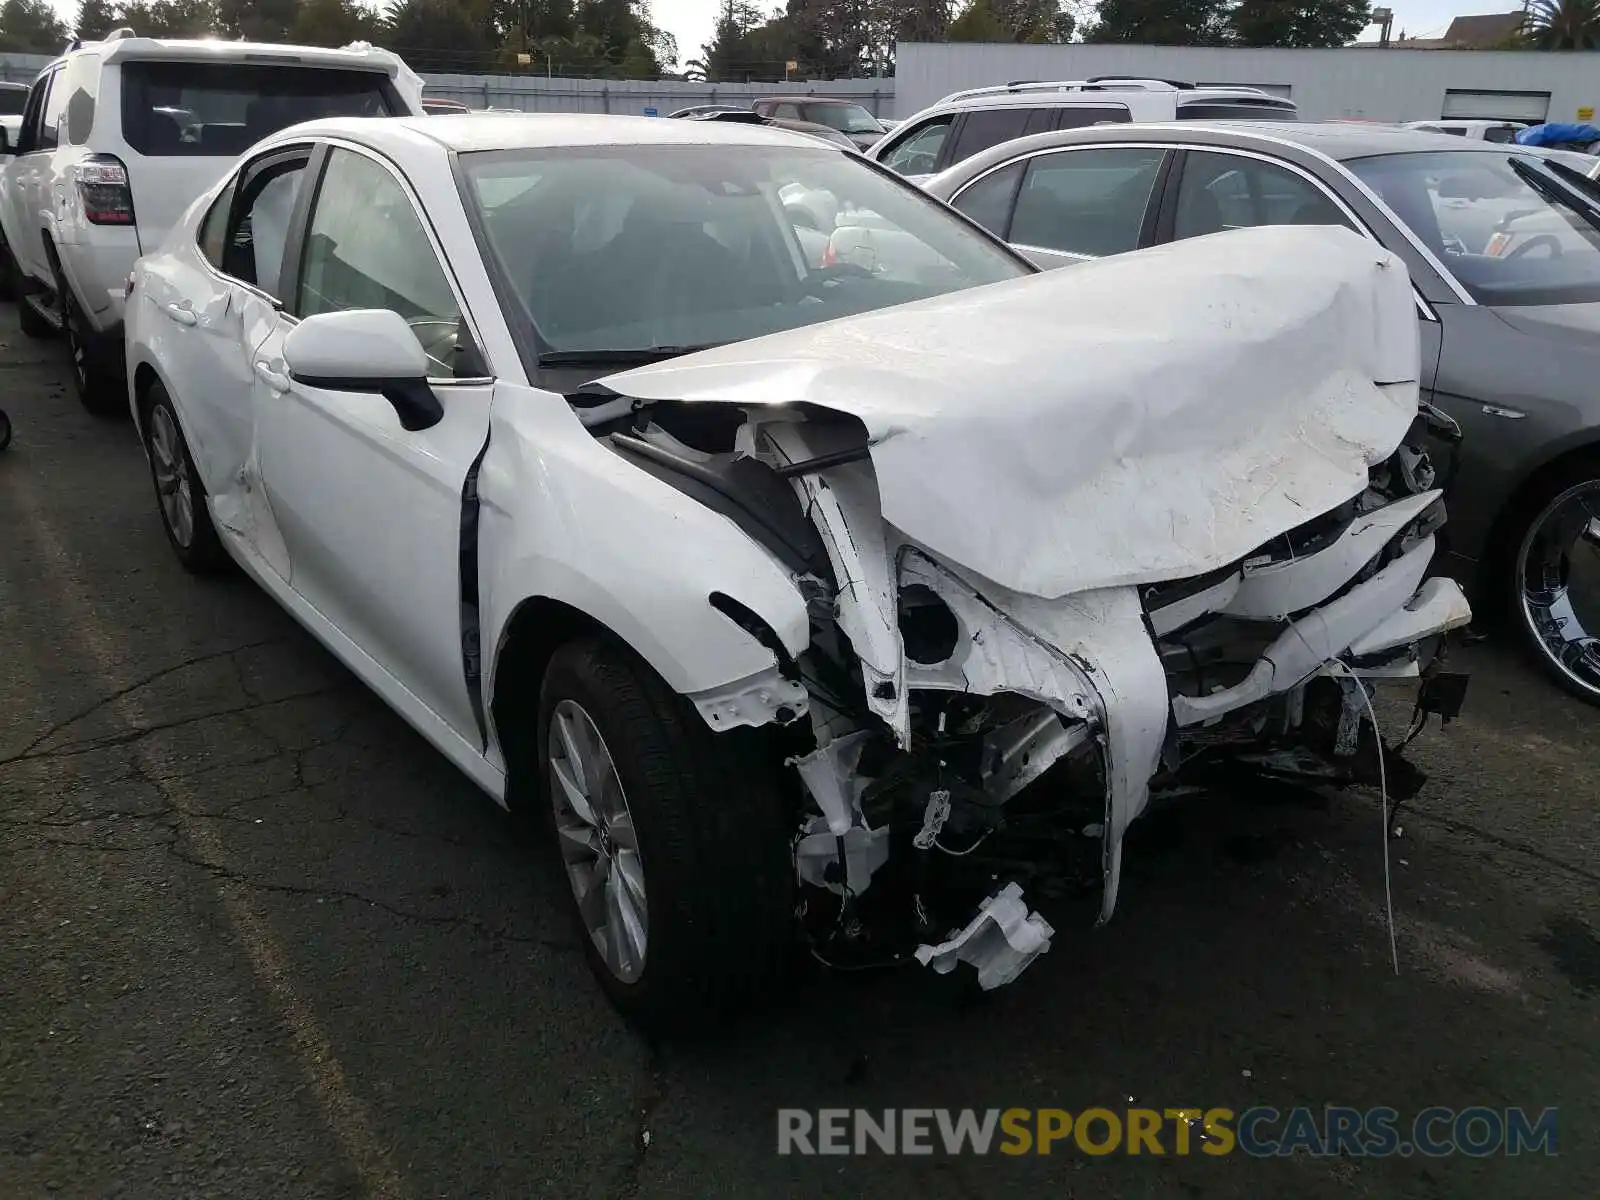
(103, 189)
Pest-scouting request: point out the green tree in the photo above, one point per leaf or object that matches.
(1563, 24)
(439, 35)
(96, 18)
(1304, 23)
(1160, 22)
(333, 23)
(169, 18)
(31, 27)
(256, 20)
(978, 23)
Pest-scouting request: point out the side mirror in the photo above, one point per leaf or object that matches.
(365, 350)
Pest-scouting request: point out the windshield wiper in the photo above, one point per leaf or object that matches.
(1555, 193)
(642, 356)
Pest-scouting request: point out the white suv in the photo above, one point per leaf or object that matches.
(120, 136)
(964, 123)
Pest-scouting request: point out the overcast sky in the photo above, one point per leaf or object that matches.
(691, 21)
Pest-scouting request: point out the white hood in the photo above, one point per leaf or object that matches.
(1136, 419)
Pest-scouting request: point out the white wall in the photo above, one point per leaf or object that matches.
(1383, 85)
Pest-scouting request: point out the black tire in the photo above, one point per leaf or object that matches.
(8, 283)
(101, 390)
(712, 838)
(201, 553)
(1517, 564)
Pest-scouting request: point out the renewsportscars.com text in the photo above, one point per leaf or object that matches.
(1259, 1132)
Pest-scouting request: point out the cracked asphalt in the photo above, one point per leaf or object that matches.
(257, 939)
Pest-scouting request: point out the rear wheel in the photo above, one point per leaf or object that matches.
(1556, 579)
(672, 839)
(100, 390)
(180, 496)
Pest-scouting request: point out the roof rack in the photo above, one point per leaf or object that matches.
(1107, 83)
(1176, 83)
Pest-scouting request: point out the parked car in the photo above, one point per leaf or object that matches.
(966, 122)
(1483, 131)
(700, 110)
(438, 106)
(746, 116)
(728, 566)
(1510, 324)
(845, 116)
(13, 96)
(120, 136)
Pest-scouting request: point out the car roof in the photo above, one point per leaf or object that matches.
(1335, 139)
(473, 132)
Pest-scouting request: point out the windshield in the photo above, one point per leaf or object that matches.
(1503, 224)
(613, 249)
(846, 118)
(13, 101)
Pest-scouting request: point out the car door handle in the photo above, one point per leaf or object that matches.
(180, 314)
(275, 381)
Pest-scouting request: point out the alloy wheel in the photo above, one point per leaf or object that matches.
(599, 846)
(174, 488)
(76, 346)
(1558, 575)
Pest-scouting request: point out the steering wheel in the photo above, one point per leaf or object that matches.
(1538, 239)
(820, 279)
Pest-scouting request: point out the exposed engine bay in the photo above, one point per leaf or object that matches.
(1020, 633)
(951, 734)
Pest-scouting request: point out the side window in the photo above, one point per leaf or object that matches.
(80, 84)
(55, 108)
(367, 248)
(1075, 116)
(985, 127)
(918, 151)
(789, 112)
(1089, 202)
(1041, 120)
(988, 201)
(33, 118)
(1227, 191)
(256, 225)
(214, 229)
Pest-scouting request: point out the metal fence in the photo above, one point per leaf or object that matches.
(640, 97)
(628, 97)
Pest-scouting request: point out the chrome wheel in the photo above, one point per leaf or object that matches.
(1558, 575)
(174, 488)
(598, 844)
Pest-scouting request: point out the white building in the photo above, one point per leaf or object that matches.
(1361, 82)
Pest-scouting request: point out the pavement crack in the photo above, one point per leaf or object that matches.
(646, 1099)
(222, 871)
(122, 692)
(127, 736)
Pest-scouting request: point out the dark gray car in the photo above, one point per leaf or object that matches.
(1503, 246)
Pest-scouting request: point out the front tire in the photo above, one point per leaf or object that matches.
(180, 496)
(1555, 578)
(672, 838)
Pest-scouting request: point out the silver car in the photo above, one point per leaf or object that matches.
(1503, 247)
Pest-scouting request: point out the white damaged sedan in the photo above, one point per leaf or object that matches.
(816, 586)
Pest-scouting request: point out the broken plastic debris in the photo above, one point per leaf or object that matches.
(1094, 831)
(933, 818)
(1000, 941)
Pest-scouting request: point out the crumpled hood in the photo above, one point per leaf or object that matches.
(1136, 419)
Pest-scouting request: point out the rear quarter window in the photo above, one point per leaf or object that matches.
(222, 109)
(1237, 111)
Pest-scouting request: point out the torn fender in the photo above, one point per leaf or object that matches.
(1143, 418)
(562, 518)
